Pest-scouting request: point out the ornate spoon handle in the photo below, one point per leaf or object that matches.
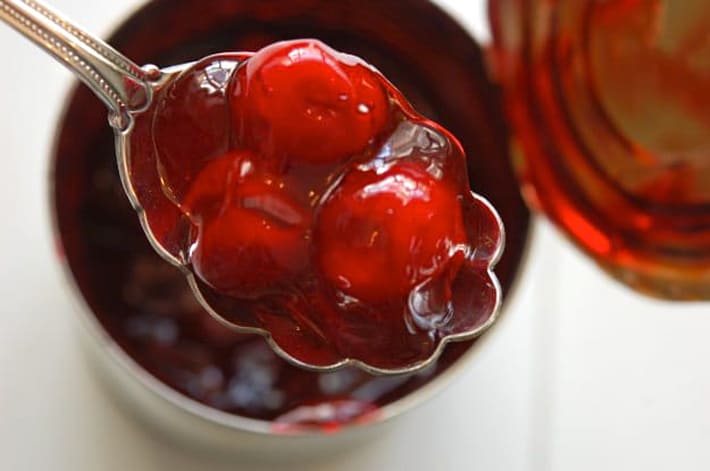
(121, 84)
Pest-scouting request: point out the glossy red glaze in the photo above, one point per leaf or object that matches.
(326, 210)
(191, 124)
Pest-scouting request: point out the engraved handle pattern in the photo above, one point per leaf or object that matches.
(121, 84)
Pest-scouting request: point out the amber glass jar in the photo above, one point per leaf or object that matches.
(610, 103)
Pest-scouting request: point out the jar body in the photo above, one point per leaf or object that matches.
(609, 104)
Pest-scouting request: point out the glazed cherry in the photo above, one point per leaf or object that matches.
(192, 124)
(301, 101)
(251, 234)
(380, 235)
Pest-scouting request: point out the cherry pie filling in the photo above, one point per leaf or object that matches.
(313, 201)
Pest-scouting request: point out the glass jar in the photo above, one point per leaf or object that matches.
(610, 105)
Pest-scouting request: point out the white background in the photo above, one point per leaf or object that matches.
(581, 375)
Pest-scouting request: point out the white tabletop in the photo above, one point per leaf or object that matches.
(554, 389)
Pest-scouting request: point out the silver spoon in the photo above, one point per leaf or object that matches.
(128, 91)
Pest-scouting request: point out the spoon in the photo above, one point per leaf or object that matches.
(129, 92)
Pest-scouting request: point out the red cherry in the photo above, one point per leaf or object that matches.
(191, 122)
(214, 184)
(251, 233)
(303, 101)
(380, 235)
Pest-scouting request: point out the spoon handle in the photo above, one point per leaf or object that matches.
(122, 85)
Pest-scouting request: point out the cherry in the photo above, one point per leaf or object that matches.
(251, 234)
(211, 186)
(191, 125)
(303, 101)
(380, 235)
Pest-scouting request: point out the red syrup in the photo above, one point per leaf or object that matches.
(311, 200)
(144, 304)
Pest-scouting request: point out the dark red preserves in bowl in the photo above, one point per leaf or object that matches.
(145, 305)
